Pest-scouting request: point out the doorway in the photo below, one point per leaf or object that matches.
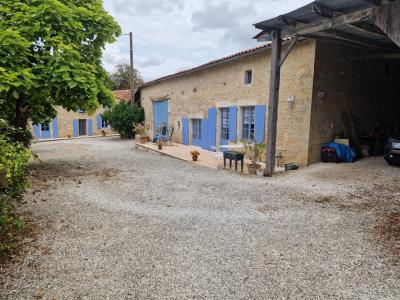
(82, 127)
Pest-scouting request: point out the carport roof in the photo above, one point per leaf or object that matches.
(363, 22)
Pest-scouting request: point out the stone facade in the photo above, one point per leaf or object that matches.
(221, 85)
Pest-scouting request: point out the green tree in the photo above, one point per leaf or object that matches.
(123, 117)
(121, 78)
(50, 55)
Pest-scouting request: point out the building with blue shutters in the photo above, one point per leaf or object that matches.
(226, 101)
(69, 124)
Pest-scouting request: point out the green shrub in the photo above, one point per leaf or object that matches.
(123, 117)
(13, 182)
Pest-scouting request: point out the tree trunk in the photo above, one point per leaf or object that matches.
(21, 119)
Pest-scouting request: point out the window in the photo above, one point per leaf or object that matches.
(248, 123)
(45, 127)
(248, 76)
(225, 124)
(196, 129)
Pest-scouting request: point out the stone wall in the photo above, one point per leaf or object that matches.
(219, 86)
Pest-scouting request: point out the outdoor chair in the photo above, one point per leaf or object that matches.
(163, 133)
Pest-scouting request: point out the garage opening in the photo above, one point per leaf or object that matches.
(356, 97)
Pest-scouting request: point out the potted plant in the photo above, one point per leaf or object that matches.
(159, 145)
(140, 130)
(195, 154)
(254, 152)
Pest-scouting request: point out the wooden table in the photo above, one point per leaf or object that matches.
(235, 156)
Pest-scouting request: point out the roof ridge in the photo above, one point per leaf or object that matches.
(208, 64)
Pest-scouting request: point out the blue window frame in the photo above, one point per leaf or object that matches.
(196, 129)
(248, 117)
(248, 77)
(225, 124)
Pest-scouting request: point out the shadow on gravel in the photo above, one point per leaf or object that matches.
(388, 233)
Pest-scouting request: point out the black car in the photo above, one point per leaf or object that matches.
(392, 151)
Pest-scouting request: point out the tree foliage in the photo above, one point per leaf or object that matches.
(123, 117)
(13, 181)
(121, 78)
(50, 55)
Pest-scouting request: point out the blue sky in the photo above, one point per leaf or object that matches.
(172, 35)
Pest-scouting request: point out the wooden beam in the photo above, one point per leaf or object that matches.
(324, 11)
(359, 40)
(362, 15)
(274, 84)
(289, 49)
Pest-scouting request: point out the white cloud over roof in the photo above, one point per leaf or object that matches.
(172, 35)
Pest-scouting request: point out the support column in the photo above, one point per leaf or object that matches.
(273, 101)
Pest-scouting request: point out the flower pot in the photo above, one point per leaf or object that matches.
(143, 139)
(252, 168)
(195, 157)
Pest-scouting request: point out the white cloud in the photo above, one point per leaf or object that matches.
(171, 35)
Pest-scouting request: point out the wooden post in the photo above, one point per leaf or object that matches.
(274, 84)
(131, 67)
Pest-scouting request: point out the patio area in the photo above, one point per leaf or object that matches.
(209, 159)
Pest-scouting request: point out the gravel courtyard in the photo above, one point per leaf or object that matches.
(113, 222)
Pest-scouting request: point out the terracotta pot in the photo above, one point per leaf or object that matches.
(143, 139)
(253, 168)
(195, 157)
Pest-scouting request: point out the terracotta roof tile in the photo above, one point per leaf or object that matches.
(124, 95)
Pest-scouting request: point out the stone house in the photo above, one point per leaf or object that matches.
(68, 124)
(226, 100)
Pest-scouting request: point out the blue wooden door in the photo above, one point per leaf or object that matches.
(160, 113)
(45, 131)
(185, 131)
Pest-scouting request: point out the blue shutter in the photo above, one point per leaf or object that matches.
(205, 138)
(36, 131)
(185, 131)
(90, 127)
(259, 124)
(210, 132)
(99, 121)
(55, 128)
(76, 127)
(233, 123)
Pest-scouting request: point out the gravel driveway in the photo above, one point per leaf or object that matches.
(117, 223)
